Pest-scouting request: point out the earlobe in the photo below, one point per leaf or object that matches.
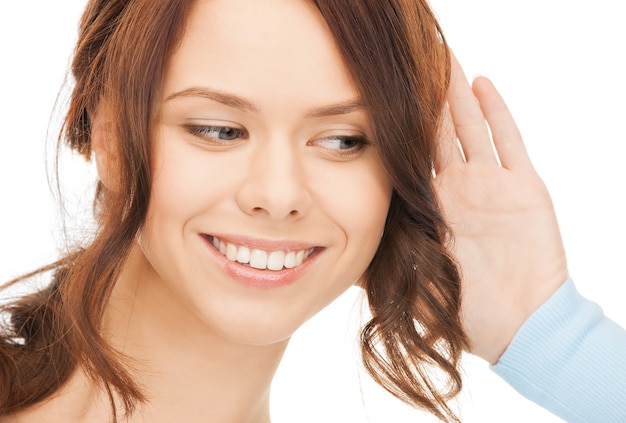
(103, 144)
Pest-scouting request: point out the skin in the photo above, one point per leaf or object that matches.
(505, 232)
(204, 345)
(261, 145)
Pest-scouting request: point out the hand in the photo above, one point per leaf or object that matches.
(505, 233)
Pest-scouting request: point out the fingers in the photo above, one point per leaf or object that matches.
(469, 121)
(473, 112)
(506, 136)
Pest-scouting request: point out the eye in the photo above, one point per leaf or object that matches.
(342, 144)
(219, 133)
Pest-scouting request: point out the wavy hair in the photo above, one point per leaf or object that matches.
(399, 62)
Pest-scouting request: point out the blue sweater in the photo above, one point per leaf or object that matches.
(570, 359)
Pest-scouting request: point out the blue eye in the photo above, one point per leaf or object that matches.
(222, 133)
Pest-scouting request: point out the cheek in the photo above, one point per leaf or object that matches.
(368, 212)
(186, 181)
(358, 202)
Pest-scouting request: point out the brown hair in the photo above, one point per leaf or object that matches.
(399, 61)
(401, 65)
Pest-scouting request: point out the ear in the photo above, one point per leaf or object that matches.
(104, 145)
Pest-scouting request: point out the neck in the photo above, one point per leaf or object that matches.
(188, 372)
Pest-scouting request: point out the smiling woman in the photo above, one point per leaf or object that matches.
(256, 160)
(233, 205)
(245, 173)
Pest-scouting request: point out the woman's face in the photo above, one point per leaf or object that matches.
(268, 198)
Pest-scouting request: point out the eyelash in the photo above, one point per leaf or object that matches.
(209, 132)
(359, 142)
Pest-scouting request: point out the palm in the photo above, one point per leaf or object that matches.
(505, 235)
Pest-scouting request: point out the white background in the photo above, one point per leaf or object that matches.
(560, 65)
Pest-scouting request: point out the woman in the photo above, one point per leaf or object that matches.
(242, 197)
(167, 210)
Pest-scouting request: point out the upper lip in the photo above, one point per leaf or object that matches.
(263, 244)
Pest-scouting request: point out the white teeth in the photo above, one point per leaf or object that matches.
(231, 252)
(243, 255)
(276, 260)
(260, 259)
(290, 260)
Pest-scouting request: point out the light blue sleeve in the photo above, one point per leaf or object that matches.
(570, 359)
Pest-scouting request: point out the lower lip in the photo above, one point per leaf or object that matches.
(249, 276)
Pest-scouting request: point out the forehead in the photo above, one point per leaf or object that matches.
(259, 48)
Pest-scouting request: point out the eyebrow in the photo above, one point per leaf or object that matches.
(229, 100)
(236, 102)
(341, 108)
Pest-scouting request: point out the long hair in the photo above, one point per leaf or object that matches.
(399, 62)
(121, 55)
(398, 57)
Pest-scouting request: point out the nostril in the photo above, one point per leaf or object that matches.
(263, 196)
(257, 210)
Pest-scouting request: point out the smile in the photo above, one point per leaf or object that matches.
(259, 258)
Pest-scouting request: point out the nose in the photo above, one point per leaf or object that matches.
(275, 185)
